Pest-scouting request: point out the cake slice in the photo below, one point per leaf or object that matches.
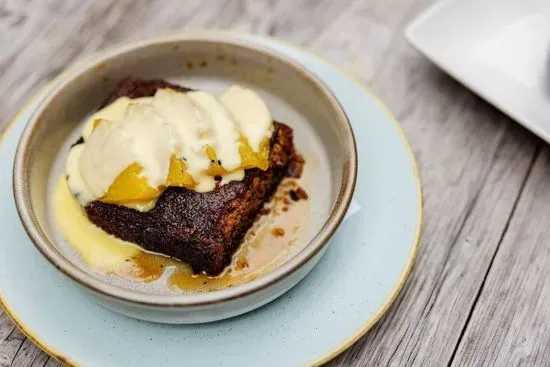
(202, 229)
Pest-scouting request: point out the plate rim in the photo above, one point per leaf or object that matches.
(334, 352)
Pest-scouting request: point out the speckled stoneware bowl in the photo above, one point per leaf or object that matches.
(293, 95)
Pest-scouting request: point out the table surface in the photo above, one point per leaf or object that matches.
(478, 293)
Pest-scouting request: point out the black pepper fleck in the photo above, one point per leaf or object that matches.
(294, 195)
(219, 162)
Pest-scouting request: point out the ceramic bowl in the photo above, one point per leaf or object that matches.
(293, 95)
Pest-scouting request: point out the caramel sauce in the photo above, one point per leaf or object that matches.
(265, 247)
(149, 267)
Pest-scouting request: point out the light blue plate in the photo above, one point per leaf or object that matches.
(349, 290)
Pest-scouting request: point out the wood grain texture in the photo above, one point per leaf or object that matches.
(472, 161)
(511, 323)
(477, 294)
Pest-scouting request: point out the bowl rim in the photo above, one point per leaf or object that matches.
(48, 249)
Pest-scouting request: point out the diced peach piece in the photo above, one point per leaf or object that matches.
(178, 175)
(130, 187)
(251, 159)
(215, 168)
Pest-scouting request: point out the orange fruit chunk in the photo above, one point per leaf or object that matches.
(178, 175)
(251, 159)
(130, 187)
(215, 168)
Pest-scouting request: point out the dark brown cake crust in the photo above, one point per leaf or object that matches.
(203, 229)
(137, 88)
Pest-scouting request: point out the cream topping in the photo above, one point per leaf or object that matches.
(112, 112)
(250, 112)
(141, 137)
(222, 129)
(148, 131)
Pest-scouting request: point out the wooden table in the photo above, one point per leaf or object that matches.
(479, 293)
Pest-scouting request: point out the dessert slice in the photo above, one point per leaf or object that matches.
(203, 229)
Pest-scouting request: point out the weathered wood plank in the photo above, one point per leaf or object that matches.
(11, 340)
(52, 363)
(61, 32)
(473, 162)
(29, 355)
(360, 39)
(442, 119)
(511, 321)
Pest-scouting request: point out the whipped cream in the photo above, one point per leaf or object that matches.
(141, 137)
(151, 131)
(251, 114)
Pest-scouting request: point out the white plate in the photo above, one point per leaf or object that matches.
(500, 49)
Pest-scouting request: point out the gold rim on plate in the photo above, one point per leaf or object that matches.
(364, 328)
